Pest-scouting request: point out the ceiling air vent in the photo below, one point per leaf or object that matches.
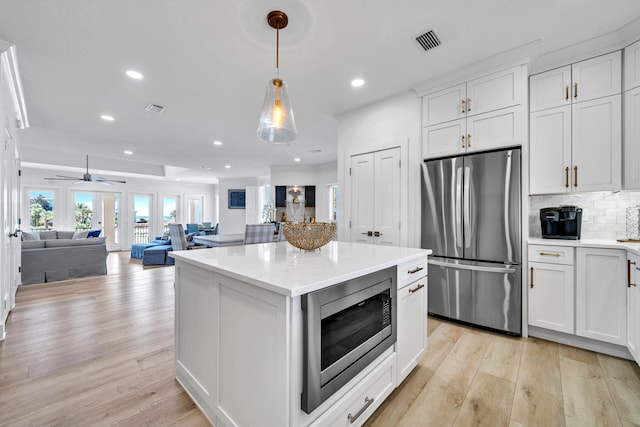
(154, 108)
(428, 40)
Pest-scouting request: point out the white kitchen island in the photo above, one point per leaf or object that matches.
(239, 330)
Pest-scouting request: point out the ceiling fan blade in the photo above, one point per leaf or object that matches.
(65, 178)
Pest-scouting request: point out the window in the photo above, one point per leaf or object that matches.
(141, 218)
(194, 209)
(41, 213)
(83, 210)
(169, 211)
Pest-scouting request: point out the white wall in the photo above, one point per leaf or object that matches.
(321, 176)
(386, 124)
(64, 210)
(232, 220)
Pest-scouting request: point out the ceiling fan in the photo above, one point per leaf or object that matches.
(87, 178)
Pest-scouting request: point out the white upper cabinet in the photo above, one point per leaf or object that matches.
(445, 105)
(596, 136)
(479, 114)
(632, 117)
(576, 127)
(550, 89)
(632, 66)
(583, 81)
(632, 138)
(597, 77)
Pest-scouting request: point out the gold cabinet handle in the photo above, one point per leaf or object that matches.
(468, 104)
(468, 140)
(575, 176)
(531, 278)
(566, 92)
(462, 141)
(462, 109)
(416, 289)
(549, 254)
(415, 270)
(575, 90)
(629, 262)
(566, 177)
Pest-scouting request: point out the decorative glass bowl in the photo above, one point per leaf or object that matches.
(308, 235)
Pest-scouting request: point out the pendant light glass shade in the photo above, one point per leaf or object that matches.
(277, 124)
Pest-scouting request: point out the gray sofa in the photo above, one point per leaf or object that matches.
(50, 256)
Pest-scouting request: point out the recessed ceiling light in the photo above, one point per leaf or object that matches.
(107, 117)
(357, 82)
(217, 142)
(129, 152)
(135, 74)
(227, 166)
(297, 159)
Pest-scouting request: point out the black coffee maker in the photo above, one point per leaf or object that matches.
(563, 222)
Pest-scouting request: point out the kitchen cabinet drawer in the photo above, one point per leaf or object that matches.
(363, 399)
(411, 271)
(551, 254)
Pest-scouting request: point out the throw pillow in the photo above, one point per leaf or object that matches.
(30, 235)
(65, 234)
(94, 233)
(80, 234)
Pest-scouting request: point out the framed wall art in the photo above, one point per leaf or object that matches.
(237, 199)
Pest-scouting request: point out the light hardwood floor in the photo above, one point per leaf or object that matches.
(99, 351)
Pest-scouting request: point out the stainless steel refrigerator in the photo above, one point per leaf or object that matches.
(471, 219)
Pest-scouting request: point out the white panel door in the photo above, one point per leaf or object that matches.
(386, 211)
(632, 139)
(550, 151)
(633, 306)
(496, 129)
(550, 89)
(596, 140)
(597, 77)
(551, 296)
(495, 91)
(444, 139)
(632, 66)
(362, 198)
(445, 105)
(601, 295)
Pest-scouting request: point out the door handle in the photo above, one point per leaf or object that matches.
(462, 109)
(377, 233)
(629, 284)
(462, 141)
(468, 104)
(368, 233)
(549, 254)
(531, 282)
(566, 92)
(415, 270)
(575, 176)
(466, 209)
(566, 177)
(575, 90)
(15, 233)
(468, 140)
(506, 269)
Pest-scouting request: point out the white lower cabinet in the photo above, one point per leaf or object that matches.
(551, 296)
(633, 306)
(601, 295)
(411, 338)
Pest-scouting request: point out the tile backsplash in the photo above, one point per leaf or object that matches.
(604, 215)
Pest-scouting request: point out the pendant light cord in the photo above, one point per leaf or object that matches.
(278, 51)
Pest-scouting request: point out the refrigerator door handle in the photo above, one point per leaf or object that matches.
(467, 208)
(505, 269)
(458, 217)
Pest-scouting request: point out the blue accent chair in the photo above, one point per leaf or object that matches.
(192, 228)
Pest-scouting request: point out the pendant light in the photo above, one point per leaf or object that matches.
(277, 125)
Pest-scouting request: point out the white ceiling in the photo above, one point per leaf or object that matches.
(208, 63)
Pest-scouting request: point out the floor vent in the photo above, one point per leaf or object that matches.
(428, 40)
(154, 108)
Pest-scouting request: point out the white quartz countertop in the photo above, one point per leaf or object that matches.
(588, 243)
(282, 268)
